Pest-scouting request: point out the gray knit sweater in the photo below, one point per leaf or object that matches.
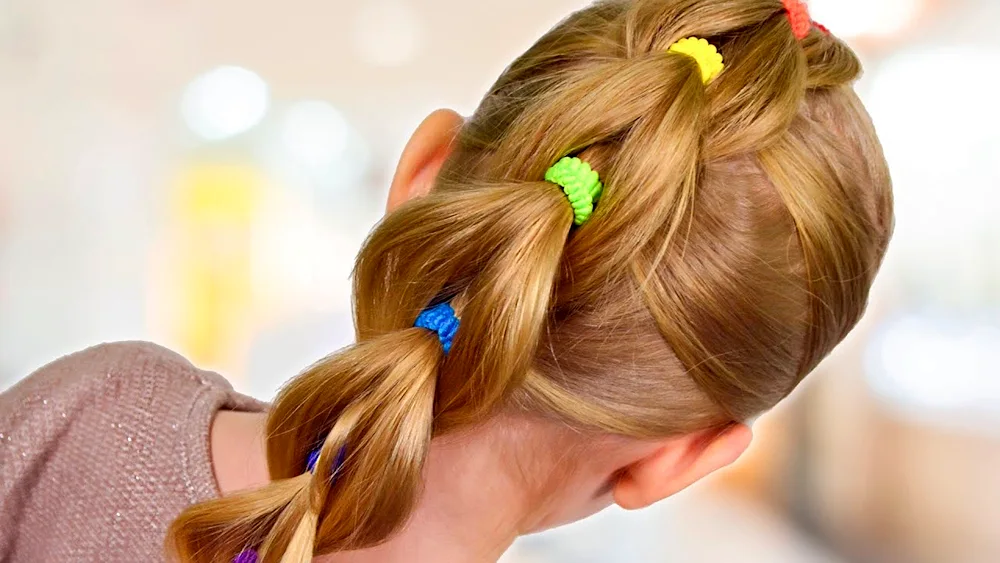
(100, 450)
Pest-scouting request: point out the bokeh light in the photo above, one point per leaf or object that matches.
(942, 144)
(319, 152)
(224, 102)
(854, 18)
(932, 361)
(315, 134)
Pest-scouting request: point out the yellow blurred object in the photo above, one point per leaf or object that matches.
(213, 193)
(214, 209)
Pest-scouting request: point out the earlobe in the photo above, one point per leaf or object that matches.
(679, 464)
(423, 157)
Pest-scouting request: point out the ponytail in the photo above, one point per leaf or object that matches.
(383, 399)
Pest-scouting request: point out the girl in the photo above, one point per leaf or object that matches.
(658, 221)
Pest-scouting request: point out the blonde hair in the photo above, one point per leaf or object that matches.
(734, 246)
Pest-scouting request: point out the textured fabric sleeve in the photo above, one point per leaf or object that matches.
(34, 417)
(101, 449)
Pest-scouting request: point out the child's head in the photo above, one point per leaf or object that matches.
(738, 233)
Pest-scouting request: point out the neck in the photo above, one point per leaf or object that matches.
(469, 512)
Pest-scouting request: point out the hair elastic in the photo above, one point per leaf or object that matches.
(442, 320)
(314, 457)
(581, 184)
(798, 16)
(704, 53)
(821, 27)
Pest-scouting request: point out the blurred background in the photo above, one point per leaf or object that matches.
(202, 173)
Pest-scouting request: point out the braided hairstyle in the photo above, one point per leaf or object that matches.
(740, 228)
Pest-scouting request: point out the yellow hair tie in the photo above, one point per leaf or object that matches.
(708, 57)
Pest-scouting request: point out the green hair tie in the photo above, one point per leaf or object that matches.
(581, 184)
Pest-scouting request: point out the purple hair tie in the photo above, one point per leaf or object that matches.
(246, 556)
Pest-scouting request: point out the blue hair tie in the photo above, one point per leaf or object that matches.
(442, 320)
(314, 457)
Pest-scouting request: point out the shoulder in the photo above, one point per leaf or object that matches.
(117, 370)
(115, 359)
(113, 438)
(114, 381)
(105, 384)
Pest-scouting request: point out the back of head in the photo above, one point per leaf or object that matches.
(740, 228)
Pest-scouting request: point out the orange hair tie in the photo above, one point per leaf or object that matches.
(798, 16)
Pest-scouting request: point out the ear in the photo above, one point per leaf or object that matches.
(423, 157)
(675, 465)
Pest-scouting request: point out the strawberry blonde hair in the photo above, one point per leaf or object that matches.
(740, 228)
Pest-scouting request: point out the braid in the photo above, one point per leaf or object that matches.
(742, 218)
